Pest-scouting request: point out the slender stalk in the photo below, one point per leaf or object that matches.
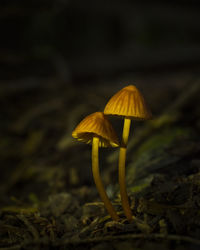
(97, 179)
(122, 169)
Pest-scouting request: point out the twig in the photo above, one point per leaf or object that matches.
(76, 242)
(31, 228)
(133, 236)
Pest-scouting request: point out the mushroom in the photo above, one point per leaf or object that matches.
(130, 104)
(97, 130)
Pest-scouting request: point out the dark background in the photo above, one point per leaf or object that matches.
(86, 42)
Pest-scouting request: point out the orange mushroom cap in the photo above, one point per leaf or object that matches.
(128, 102)
(97, 125)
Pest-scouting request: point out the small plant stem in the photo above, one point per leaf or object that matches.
(98, 182)
(122, 169)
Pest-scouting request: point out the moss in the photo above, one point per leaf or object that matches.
(19, 210)
(164, 139)
(141, 184)
(153, 156)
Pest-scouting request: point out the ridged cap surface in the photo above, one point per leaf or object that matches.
(128, 102)
(98, 125)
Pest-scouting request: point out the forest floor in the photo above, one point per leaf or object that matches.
(47, 195)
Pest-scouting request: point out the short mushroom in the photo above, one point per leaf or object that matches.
(96, 129)
(130, 104)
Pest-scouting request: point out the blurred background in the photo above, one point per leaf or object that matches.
(85, 42)
(61, 60)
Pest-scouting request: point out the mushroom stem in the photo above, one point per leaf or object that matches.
(122, 175)
(97, 179)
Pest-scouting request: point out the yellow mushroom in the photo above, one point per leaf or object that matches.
(130, 104)
(97, 130)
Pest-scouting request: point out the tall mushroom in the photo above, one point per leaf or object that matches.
(96, 129)
(130, 104)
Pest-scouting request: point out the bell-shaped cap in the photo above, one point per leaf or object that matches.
(128, 102)
(96, 125)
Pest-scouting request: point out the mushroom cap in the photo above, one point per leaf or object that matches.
(128, 102)
(97, 125)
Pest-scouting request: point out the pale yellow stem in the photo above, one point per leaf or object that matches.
(97, 179)
(122, 169)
